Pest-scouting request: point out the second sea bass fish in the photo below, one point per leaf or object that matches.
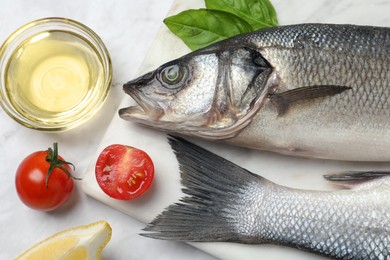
(315, 90)
(226, 203)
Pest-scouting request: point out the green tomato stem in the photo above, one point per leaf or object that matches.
(55, 162)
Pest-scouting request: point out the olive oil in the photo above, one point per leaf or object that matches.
(51, 75)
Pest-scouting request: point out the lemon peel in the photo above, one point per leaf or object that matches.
(81, 242)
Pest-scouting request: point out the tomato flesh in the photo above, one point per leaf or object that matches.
(124, 172)
(30, 181)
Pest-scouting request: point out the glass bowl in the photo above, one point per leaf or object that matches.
(55, 74)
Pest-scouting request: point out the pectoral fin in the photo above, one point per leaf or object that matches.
(284, 100)
(356, 179)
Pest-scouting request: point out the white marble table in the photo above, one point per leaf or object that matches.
(128, 28)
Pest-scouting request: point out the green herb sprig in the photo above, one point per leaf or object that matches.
(221, 19)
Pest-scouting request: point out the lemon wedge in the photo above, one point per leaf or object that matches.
(82, 242)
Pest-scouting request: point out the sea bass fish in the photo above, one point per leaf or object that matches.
(225, 202)
(315, 90)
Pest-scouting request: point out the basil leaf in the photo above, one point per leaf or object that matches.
(258, 13)
(202, 27)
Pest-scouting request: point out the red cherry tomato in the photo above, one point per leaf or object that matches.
(124, 172)
(36, 188)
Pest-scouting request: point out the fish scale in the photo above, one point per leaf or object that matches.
(306, 227)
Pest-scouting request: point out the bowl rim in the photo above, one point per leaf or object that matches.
(103, 55)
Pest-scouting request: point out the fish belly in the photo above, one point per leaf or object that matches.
(311, 134)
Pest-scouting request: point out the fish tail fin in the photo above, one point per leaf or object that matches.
(211, 212)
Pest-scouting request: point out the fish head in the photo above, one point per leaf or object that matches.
(211, 93)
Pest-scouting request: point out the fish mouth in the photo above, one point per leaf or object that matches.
(144, 109)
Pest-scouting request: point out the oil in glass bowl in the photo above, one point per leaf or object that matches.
(55, 76)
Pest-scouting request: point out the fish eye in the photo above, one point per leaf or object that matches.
(172, 75)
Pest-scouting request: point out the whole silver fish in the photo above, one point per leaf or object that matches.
(315, 90)
(229, 203)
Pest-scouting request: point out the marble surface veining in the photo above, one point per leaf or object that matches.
(127, 27)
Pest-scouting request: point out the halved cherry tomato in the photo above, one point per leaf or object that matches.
(44, 180)
(124, 172)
